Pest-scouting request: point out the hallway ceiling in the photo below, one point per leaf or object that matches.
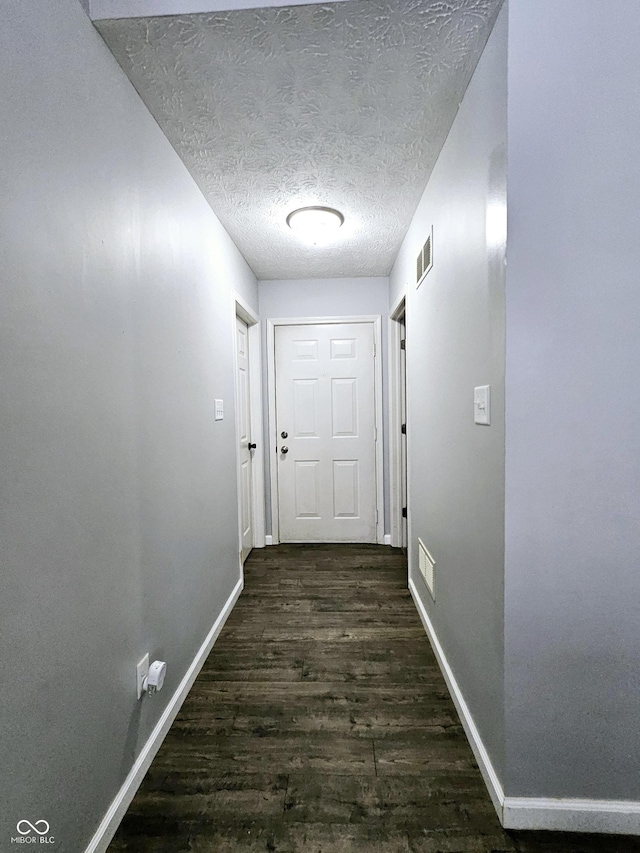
(344, 104)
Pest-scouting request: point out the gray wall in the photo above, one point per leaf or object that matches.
(455, 341)
(333, 297)
(118, 507)
(573, 400)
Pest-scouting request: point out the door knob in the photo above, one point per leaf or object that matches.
(284, 434)
(252, 446)
(284, 449)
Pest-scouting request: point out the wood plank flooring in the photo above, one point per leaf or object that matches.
(320, 723)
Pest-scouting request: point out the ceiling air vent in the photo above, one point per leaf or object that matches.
(425, 259)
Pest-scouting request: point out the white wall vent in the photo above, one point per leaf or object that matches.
(425, 259)
(427, 566)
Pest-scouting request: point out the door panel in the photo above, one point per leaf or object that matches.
(346, 500)
(305, 350)
(325, 403)
(305, 392)
(307, 488)
(343, 348)
(344, 407)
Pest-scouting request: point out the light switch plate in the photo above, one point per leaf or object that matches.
(219, 410)
(482, 404)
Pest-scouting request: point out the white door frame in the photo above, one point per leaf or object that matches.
(244, 311)
(395, 420)
(375, 321)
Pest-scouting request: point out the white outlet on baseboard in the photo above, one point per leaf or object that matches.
(142, 671)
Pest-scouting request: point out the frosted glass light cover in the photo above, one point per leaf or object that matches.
(316, 226)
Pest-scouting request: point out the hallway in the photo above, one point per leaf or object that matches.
(321, 723)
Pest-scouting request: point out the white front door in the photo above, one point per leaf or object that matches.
(244, 437)
(325, 421)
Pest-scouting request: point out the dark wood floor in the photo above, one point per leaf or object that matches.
(320, 723)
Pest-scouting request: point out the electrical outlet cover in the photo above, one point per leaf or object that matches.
(142, 671)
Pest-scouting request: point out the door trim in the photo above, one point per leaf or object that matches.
(375, 320)
(395, 421)
(244, 311)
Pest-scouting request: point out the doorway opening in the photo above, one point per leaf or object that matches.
(249, 436)
(398, 431)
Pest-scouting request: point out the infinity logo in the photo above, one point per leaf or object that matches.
(33, 828)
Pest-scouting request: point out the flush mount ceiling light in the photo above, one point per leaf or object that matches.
(315, 225)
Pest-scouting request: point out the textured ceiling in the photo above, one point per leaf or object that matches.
(343, 104)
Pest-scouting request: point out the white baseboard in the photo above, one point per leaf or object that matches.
(125, 795)
(268, 540)
(567, 815)
(572, 815)
(479, 750)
